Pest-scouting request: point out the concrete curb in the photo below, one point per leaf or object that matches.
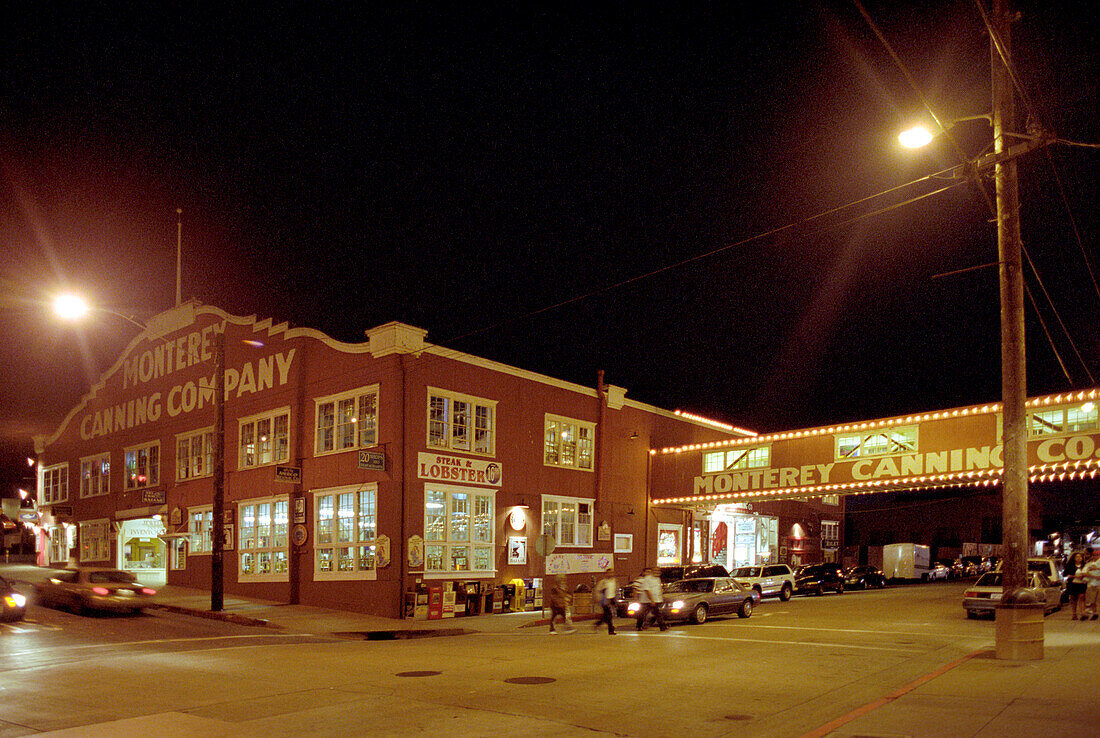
(229, 617)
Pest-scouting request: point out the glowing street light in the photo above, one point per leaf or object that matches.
(915, 137)
(70, 307)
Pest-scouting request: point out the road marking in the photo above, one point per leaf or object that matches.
(685, 636)
(124, 644)
(832, 725)
(894, 633)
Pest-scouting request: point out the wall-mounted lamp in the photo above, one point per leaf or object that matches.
(634, 436)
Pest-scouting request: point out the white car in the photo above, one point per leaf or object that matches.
(981, 598)
(769, 580)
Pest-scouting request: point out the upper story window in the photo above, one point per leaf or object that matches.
(54, 484)
(880, 442)
(568, 442)
(195, 455)
(143, 466)
(264, 439)
(1065, 419)
(95, 475)
(568, 519)
(735, 459)
(461, 422)
(830, 533)
(830, 499)
(347, 421)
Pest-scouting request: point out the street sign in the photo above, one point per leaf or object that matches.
(372, 460)
(154, 496)
(545, 544)
(291, 474)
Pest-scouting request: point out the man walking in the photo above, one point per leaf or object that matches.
(607, 589)
(1092, 585)
(650, 598)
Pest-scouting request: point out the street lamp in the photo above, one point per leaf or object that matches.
(1014, 493)
(72, 307)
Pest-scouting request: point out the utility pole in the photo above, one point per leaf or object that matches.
(1013, 357)
(217, 535)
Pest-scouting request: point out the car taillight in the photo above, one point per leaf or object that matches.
(147, 591)
(101, 590)
(971, 594)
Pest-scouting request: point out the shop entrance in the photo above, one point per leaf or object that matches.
(739, 538)
(141, 550)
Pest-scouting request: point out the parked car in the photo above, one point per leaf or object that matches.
(83, 589)
(14, 605)
(981, 598)
(974, 565)
(817, 578)
(938, 570)
(769, 580)
(701, 598)
(1050, 567)
(864, 576)
(668, 575)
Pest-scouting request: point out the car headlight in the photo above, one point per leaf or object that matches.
(15, 600)
(633, 607)
(677, 605)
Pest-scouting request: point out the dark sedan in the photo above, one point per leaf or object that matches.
(699, 599)
(819, 578)
(14, 605)
(84, 589)
(864, 577)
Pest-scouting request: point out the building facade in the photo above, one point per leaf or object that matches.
(354, 474)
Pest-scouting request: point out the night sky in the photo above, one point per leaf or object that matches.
(526, 182)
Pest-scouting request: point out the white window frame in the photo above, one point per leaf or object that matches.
(736, 459)
(279, 452)
(830, 500)
(177, 553)
(470, 429)
(481, 503)
(1062, 420)
(362, 533)
(95, 475)
(834, 526)
(552, 520)
(53, 483)
(568, 443)
(875, 443)
(61, 542)
(359, 431)
(131, 480)
(192, 466)
(95, 540)
(278, 541)
(200, 523)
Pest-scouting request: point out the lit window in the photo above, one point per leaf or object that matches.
(345, 533)
(264, 439)
(882, 442)
(95, 475)
(735, 459)
(568, 519)
(347, 421)
(195, 455)
(461, 423)
(54, 483)
(143, 466)
(568, 443)
(263, 549)
(200, 523)
(94, 541)
(830, 533)
(1060, 420)
(458, 529)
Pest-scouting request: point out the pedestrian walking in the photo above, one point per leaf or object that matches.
(1092, 585)
(650, 598)
(607, 590)
(559, 604)
(1074, 573)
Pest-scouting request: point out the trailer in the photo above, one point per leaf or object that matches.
(906, 561)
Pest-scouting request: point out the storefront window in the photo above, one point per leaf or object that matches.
(452, 536)
(263, 540)
(345, 533)
(669, 547)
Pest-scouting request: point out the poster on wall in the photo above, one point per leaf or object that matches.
(578, 563)
(517, 549)
(416, 552)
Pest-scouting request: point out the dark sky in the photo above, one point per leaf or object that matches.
(468, 169)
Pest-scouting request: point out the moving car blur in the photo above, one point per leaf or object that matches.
(14, 604)
(93, 589)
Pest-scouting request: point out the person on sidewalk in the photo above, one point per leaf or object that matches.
(559, 604)
(607, 589)
(1074, 574)
(651, 597)
(1092, 585)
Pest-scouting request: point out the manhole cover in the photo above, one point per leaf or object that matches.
(530, 680)
(418, 673)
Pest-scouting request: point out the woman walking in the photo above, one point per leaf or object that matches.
(1075, 584)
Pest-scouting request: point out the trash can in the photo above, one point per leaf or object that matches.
(1019, 635)
(582, 599)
